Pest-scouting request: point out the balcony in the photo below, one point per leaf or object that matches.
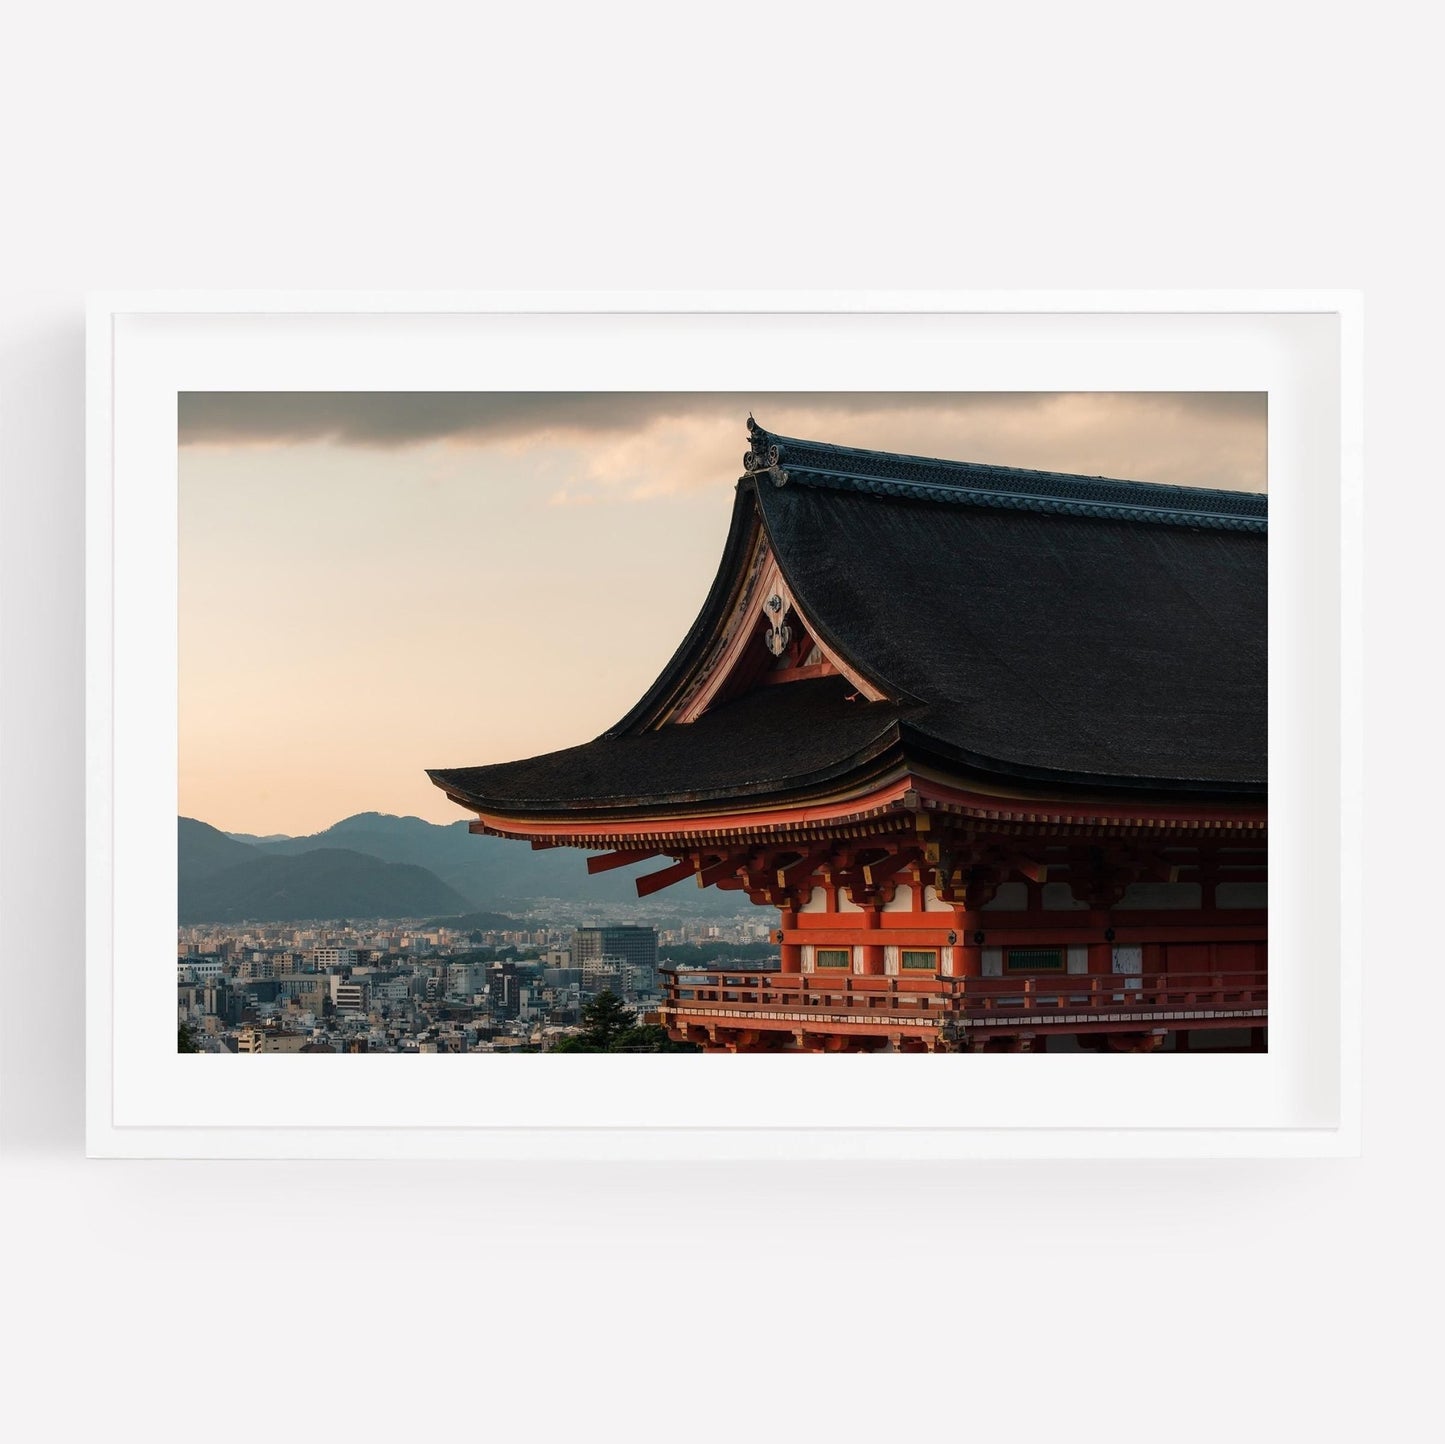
(1001, 1006)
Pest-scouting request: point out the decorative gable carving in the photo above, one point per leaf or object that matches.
(767, 640)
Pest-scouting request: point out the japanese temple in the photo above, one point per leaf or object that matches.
(991, 741)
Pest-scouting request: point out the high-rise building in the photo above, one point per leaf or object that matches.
(628, 945)
(502, 985)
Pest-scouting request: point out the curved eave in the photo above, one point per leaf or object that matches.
(900, 755)
(675, 678)
(904, 801)
(854, 773)
(924, 747)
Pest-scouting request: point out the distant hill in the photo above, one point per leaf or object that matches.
(492, 872)
(203, 850)
(321, 883)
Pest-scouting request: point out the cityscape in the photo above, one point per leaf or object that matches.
(410, 986)
(878, 805)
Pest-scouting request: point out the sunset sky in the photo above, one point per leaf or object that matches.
(373, 584)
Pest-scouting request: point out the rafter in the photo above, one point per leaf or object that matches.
(652, 882)
(719, 872)
(606, 861)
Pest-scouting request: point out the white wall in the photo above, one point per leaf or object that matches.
(285, 146)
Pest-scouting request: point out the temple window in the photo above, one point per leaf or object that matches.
(925, 959)
(1034, 960)
(834, 958)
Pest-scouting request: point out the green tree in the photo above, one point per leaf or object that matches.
(609, 1026)
(185, 1039)
(604, 1020)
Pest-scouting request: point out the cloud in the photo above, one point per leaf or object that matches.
(634, 445)
(394, 418)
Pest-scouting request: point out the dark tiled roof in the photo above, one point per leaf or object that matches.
(774, 740)
(786, 460)
(1042, 644)
(1076, 632)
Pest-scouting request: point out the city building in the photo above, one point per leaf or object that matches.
(601, 975)
(397, 989)
(503, 989)
(199, 970)
(992, 742)
(465, 979)
(622, 958)
(349, 997)
(269, 1040)
(631, 943)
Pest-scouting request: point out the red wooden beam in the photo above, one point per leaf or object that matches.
(1026, 867)
(721, 871)
(655, 881)
(606, 861)
(799, 872)
(876, 872)
(1159, 869)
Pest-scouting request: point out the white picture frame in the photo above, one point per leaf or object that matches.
(1301, 1098)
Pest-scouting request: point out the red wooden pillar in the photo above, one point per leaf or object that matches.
(872, 950)
(1101, 953)
(792, 953)
(968, 955)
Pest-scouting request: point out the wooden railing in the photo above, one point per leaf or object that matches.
(1114, 992)
(928, 998)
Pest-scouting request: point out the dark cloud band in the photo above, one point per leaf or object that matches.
(390, 419)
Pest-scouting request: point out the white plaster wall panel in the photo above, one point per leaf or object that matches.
(817, 901)
(1012, 897)
(902, 900)
(1128, 958)
(932, 903)
(1059, 897)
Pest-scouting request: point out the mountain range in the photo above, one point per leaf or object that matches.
(378, 865)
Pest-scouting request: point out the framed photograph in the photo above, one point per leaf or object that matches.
(661, 726)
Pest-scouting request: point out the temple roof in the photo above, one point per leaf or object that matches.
(772, 742)
(788, 461)
(1015, 628)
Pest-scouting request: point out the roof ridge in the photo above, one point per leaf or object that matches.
(786, 459)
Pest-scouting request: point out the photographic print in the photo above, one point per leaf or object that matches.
(722, 722)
